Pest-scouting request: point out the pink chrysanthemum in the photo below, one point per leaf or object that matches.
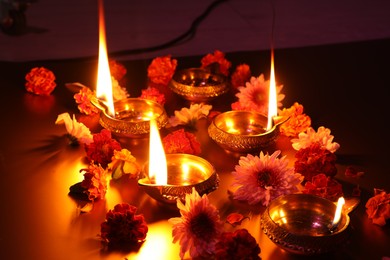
(161, 70)
(217, 57)
(298, 121)
(181, 141)
(324, 186)
(153, 94)
(40, 81)
(198, 228)
(102, 148)
(95, 181)
(239, 244)
(122, 228)
(254, 96)
(241, 75)
(83, 99)
(264, 178)
(378, 207)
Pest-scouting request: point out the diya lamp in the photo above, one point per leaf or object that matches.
(130, 116)
(246, 131)
(168, 177)
(306, 224)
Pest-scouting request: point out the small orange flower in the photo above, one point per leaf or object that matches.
(83, 99)
(219, 58)
(161, 70)
(298, 122)
(378, 207)
(241, 75)
(40, 81)
(117, 70)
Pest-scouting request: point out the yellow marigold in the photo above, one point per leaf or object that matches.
(298, 122)
(40, 81)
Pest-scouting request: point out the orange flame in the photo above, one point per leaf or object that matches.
(157, 160)
(104, 83)
(272, 98)
(339, 208)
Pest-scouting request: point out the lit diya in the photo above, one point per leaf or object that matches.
(168, 177)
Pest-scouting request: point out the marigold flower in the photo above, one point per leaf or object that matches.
(77, 132)
(322, 137)
(313, 160)
(123, 228)
(117, 70)
(239, 244)
(198, 228)
(161, 70)
(241, 75)
(189, 116)
(40, 81)
(298, 121)
(219, 58)
(153, 94)
(102, 148)
(378, 207)
(263, 178)
(254, 96)
(95, 181)
(181, 141)
(324, 186)
(83, 99)
(123, 162)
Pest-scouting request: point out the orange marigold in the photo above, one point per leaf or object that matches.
(241, 75)
(40, 81)
(161, 69)
(298, 122)
(117, 70)
(219, 58)
(83, 99)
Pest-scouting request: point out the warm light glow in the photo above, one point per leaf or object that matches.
(157, 160)
(186, 170)
(104, 83)
(337, 215)
(232, 129)
(272, 98)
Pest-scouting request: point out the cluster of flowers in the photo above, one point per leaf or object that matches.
(257, 179)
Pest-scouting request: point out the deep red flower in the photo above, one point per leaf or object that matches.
(313, 160)
(351, 171)
(218, 58)
(324, 186)
(153, 94)
(102, 148)
(378, 207)
(95, 181)
(122, 228)
(117, 70)
(181, 141)
(241, 75)
(40, 81)
(239, 244)
(161, 69)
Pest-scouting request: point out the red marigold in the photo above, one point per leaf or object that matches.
(161, 70)
(40, 81)
(378, 207)
(314, 160)
(95, 181)
(239, 244)
(102, 148)
(181, 141)
(83, 99)
(154, 94)
(117, 70)
(122, 228)
(241, 75)
(219, 58)
(324, 186)
(298, 122)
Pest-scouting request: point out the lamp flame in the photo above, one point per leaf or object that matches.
(158, 170)
(104, 83)
(339, 208)
(272, 98)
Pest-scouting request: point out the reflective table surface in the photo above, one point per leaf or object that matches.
(342, 87)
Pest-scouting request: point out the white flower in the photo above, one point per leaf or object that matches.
(322, 136)
(75, 129)
(262, 179)
(118, 93)
(189, 116)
